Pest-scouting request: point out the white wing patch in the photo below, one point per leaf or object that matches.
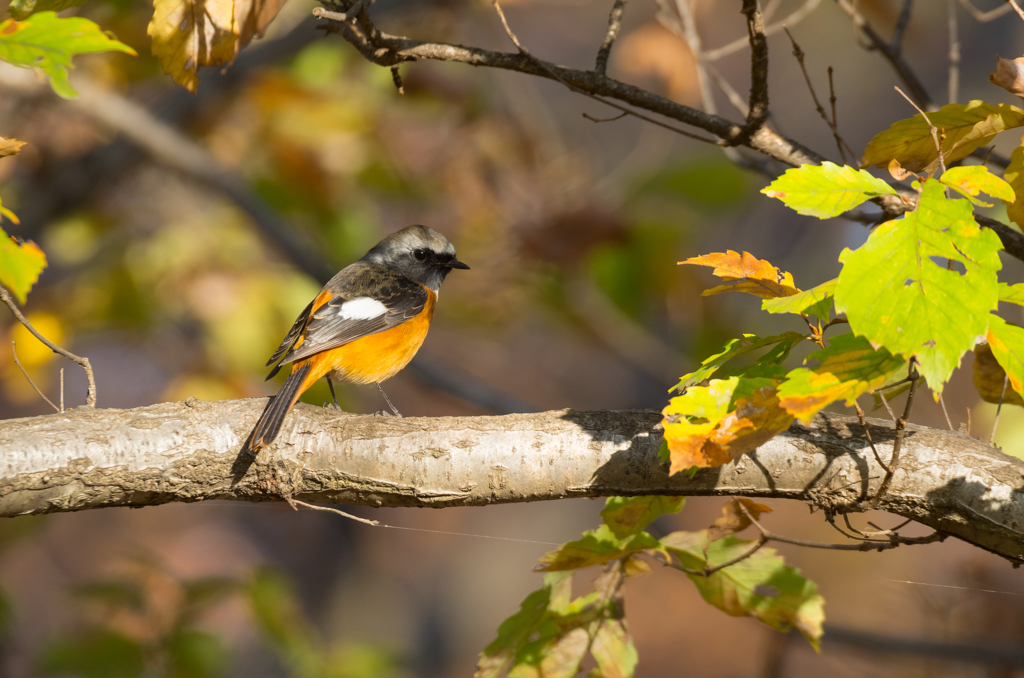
(363, 308)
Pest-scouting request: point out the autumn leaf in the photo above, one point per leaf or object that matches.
(1006, 346)
(850, 366)
(826, 190)
(1013, 294)
(971, 180)
(595, 547)
(965, 127)
(898, 297)
(747, 274)
(711, 426)
(628, 515)
(20, 265)
(190, 34)
(48, 42)
(23, 9)
(761, 586)
(9, 146)
(1014, 176)
(1009, 75)
(736, 515)
(816, 301)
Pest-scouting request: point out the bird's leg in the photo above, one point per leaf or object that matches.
(330, 385)
(388, 400)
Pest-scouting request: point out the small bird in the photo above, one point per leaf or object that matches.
(365, 325)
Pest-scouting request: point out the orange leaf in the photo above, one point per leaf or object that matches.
(747, 274)
(734, 519)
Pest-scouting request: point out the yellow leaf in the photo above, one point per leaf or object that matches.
(190, 34)
(9, 146)
(734, 519)
(746, 273)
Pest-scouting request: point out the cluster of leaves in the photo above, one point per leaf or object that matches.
(553, 633)
(923, 288)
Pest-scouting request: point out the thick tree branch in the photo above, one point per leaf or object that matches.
(191, 451)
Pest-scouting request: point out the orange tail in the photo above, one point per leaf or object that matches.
(272, 418)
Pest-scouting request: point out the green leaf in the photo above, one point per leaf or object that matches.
(20, 265)
(1006, 342)
(47, 42)
(965, 127)
(22, 9)
(1014, 176)
(628, 515)
(595, 547)
(1013, 294)
(894, 294)
(826, 190)
(614, 651)
(761, 586)
(4, 212)
(734, 349)
(972, 180)
(816, 301)
(849, 367)
(101, 654)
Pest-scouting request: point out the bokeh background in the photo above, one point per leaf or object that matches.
(573, 229)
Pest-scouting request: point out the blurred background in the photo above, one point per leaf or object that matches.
(174, 285)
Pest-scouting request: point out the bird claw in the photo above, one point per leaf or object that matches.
(332, 406)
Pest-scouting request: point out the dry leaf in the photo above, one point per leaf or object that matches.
(734, 519)
(897, 171)
(9, 146)
(1009, 75)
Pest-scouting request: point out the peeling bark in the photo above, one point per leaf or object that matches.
(192, 450)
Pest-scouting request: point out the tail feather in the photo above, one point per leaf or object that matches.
(273, 416)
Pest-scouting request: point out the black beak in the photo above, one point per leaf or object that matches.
(455, 263)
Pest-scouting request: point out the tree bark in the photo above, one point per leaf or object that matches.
(193, 450)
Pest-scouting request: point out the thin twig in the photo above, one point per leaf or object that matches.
(758, 69)
(62, 390)
(949, 422)
(740, 43)
(591, 118)
(901, 429)
(614, 24)
(985, 17)
(932, 128)
(90, 394)
(14, 353)
(728, 90)
(954, 53)
(885, 402)
(799, 54)
(523, 51)
(708, 571)
(867, 434)
(1016, 8)
(898, 63)
(840, 142)
(314, 507)
(691, 37)
(896, 42)
(999, 409)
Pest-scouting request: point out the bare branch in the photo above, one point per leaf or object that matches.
(1016, 8)
(90, 394)
(758, 69)
(896, 43)
(614, 24)
(985, 17)
(999, 408)
(954, 53)
(901, 429)
(14, 354)
(741, 43)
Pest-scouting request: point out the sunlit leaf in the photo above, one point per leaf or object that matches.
(761, 586)
(713, 425)
(190, 34)
(972, 180)
(736, 517)
(595, 547)
(734, 349)
(9, 146)
(628, 515)
(614, 651)
(849, 367)
(746, 273)
(20, 265)
(816, 301)
(48, 42)
(826, 190)
(894, 294)
(1014, 176)
(965, 127)
(1013, 294)
(1009, 75)
(1006, 343)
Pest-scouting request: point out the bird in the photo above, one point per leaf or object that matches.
(365, 325)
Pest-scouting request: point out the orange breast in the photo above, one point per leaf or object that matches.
(375, 357)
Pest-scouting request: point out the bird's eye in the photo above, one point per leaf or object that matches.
(419, 254)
